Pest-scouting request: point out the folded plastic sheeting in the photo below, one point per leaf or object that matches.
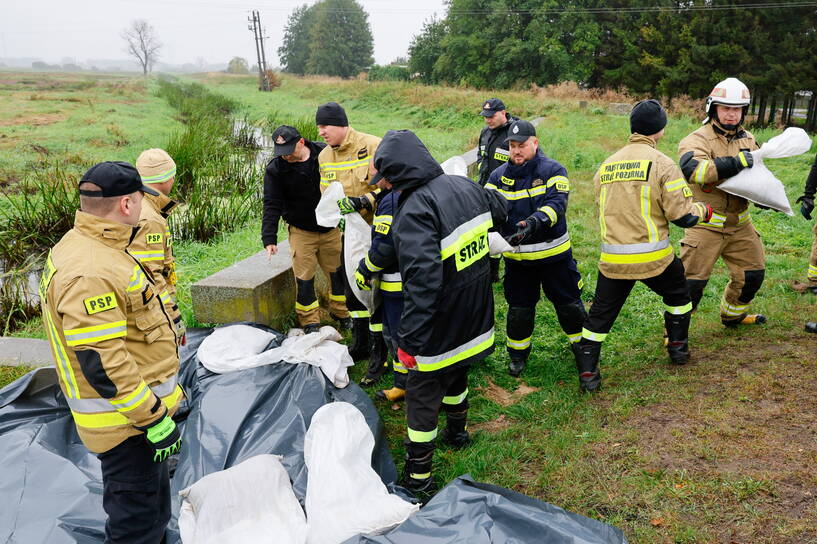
(51, 486)
(757, 183)
(344, 496)
(239, 347)
(245, 503)
(468, 512)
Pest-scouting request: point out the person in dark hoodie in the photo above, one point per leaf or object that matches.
(536, 188)
(440, 235)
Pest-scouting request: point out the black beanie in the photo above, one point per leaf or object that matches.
(648, 118)
(331, 113)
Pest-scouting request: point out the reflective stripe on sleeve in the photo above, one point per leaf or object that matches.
(700, 172)
(146, 256)
(550, 212)
(812, 271)
(133, 400)
(717, 220)
(675, 185)
(97, 333)
(364, 314)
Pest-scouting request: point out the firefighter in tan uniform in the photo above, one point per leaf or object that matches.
(639, 191)
(348, 159)
(153, 245)
(114, 348)
(713, 153)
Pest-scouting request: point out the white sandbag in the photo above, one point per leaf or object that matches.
(344, 495)
(239, 347)
(327, 213)
(757, 183)
(455, 166)
(357, 239)
(497, 245)
(250, 502)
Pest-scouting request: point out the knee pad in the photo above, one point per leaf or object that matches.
(306, 292)
(336, 279)
(571, 316)
(752, 281)
(520, 322)
(696, 291)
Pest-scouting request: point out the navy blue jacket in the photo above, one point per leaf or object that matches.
(382, 258)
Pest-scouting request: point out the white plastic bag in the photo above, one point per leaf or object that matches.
(757, 183)
(357, 239)
(344, 495)
(250, 502)
(497, 245)
(455, 166)
(327, 213)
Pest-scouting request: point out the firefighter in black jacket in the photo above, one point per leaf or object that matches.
(292, 189)
(441, 239)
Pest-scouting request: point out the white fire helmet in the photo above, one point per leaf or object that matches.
(729, 92)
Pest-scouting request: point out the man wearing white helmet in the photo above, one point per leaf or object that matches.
(715, 152)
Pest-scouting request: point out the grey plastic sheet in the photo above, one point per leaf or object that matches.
(470, 512)
(51, 486)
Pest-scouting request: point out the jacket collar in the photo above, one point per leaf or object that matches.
(111, 233)
(636, 138)
(351, 136)
(525, 168)
(163, 204)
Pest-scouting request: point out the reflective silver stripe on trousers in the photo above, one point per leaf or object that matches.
(423, 360)
(462, 229)
(530, 248)
(394, 276)
(632, 249)
(94, 406)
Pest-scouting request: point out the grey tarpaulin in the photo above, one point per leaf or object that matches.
(470, 512)
(50, 485)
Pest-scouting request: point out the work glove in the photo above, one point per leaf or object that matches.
(362, 281)
(351, 204)
(743, 160)
(806, 206)
(407, 360)
(525, 229)
(164, 437)
(342, 224)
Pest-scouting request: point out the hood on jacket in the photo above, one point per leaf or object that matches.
(405, 161)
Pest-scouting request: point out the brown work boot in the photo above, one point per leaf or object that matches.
(745, 319)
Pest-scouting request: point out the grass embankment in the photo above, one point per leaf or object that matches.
(720, 450)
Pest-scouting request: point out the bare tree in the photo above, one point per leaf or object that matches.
(142, 43)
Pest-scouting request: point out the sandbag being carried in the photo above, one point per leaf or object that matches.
(249, 502)
(757, 183)
(344, 496)
(327, 213)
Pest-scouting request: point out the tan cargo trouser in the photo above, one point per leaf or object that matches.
(741, 251)
(812, 264)
(310, 250)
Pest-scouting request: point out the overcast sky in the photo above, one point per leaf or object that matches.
(215, 30)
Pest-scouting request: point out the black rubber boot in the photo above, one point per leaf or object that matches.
(811, 326)
(519, 326)
(360, 339)
(517, 364)
(455, 433)
(378, 359)
(587, 363)
(677, 327)
(344, 323)
(417, 477)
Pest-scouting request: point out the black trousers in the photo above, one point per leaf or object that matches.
(136, 493)
(426, 393)
(392, 310)
(611, 294)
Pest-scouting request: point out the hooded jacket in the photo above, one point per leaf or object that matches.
(441, 239)
(493, 149)
(382, 257)
(539, 187)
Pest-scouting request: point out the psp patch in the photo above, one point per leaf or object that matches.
(507, 181)
(100, 303)
(330, 176)
(687, 191)
(153, 238)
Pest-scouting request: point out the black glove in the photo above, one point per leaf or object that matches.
(806, 206)
(163, 436)
(730, 166)
(524, 230)
(745, 160)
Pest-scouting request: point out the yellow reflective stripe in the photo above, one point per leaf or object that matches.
(159, 178)
(742, 157)
(679, 310)
(324, 183)
(574, 337)
(594, 336)
(398, 367)
(466, 350)
(344, 165)
(66, 370)
(812, 271)
(138, 397)
(491, 186)
(97, 333)
(391, 286)
(675, 185)
(515, 195)
(602, 204)
(420, 475)
(173, 399)
(364, 314)
(375, 327)
(371, 266)
(307, 307)
(464, 234)
(99, 421)
(645, 213)
(556, 179)
(700, 172)
(456, 399)
(743, 217)
(145, 256)
(518, 344)
(533, 255)
(378, 219)
(550, 213)
(536, 191)
(165, 297)
(717, 220)
(732, 310)
(338, 298)
(421, 436)
(137, 279)
(636, 258)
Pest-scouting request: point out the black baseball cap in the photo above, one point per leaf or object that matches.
(114, 178)
(520, 131)
(285, 139)
(491, 106)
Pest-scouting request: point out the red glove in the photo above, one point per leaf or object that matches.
(407, 360)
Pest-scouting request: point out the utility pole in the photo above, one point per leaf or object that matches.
(255, 26)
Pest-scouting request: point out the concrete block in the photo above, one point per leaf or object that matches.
(25, 352)
(254, 289)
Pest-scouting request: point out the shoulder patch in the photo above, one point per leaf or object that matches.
(153, 238)
(100, 303)
(363, 153)
(537, 182)
(508, 181)
(687, 191)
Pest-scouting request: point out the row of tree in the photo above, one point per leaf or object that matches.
(330, 37)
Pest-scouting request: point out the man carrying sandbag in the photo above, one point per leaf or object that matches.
(710, 155)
